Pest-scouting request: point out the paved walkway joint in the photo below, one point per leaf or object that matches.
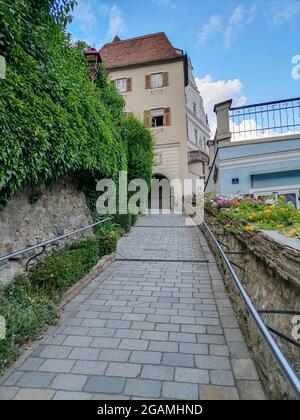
(156, 324)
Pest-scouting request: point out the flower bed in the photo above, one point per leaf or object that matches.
(249, 213)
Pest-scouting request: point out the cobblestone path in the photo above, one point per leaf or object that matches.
(157, 324)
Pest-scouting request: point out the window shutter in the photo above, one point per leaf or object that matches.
(129, 84)
(167, 116)
(166, 79)
(148, 82)
(147, 118)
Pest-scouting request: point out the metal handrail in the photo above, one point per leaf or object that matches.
(51, 241)
(284, 365)
(281, 101)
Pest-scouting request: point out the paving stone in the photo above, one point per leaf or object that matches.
(178, 359)
(55, 340)
(244, 369)
(128, 344)
(12, 378)
(180, 391)
(57, 365)
(96, 323)
(155, 335)
(193, 348)
(221, 377)
(182, 337)
(220, 393)
(105, 384)
(190, 375)
(163, 373)
(146, 357)
(200, 329)
(76, 331)
(109, 397)
(7, 392)
(163, 346)
(31, 364)
(69, 382)
(113, 355)
(28, 394)
(212, 362)
(36, 380)
(167, 327)
(85, 367)
(102, 332)
(233, 334)
(218, 350)
(128, 370)
(238, 350)
(128, 334)
(79, 353)
(143, 388)
(104, 342)
(77, 341)
(72, 396)
(251, 390)
(146, 326)
(56, 352)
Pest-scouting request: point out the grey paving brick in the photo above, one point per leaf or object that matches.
(105, 384)
(146, 326)
(77, 341)
(85, 367)
(221, 377)
(27, 394)
(163, 373)
(168, 327)
(131, 344)
(155, 335)
(124, 333)
(35, 380)
(105, 343)
(102, 332)
(212, 362)
(251, 390)
(112, 355)
(197, 376)
(219, 393)
(76, 331)
(163, 346)
(143, 388)
(56, 352)
(31, 364)
(182, 337)
(193, 348)
(218, 350)
(79, 353)
(146, 357)
(128, 370)
(244, 369)
(96, 323)
(178, 359)
(72, 396)
(233, 334)
(69, 382)
(180, 391)
(57, 365)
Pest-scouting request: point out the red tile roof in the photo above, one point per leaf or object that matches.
(140, 50)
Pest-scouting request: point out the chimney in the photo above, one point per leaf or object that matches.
(116, 39)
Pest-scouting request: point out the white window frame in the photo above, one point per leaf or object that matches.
(158, 86)
(121, 80)
(278, 191)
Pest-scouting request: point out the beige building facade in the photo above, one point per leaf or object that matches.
(154, 79)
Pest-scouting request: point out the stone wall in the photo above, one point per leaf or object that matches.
(57, 210)
(270, 272)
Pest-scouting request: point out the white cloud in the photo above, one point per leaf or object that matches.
(239, 18)
(166, 3)
(213, 25)
(85, 18)
(215, 91)
(283, 11)
(116, 22)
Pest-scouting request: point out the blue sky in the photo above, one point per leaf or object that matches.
(240, 49)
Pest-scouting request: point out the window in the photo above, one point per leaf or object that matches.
(196, 135)
(156, 81)
(121, 85)
(157, 117)
(194, 108)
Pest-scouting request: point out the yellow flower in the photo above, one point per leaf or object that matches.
(267, 212)
(252, 216)
(281, 197)
(280, 226)
(249, 228)
(285, 210)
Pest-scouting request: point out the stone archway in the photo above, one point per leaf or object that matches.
(160, 195)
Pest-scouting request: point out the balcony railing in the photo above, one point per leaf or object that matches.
(265, 119)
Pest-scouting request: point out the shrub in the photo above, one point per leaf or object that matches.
(123, 220)
(107, 237)
(26, 310)
(64, 268)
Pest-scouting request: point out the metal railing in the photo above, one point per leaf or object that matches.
(51, 241)
(282, 361)
(265, 119)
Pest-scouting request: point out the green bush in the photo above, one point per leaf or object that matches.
(108, 236)
(64, 268)
(26, 309)
(123, 220)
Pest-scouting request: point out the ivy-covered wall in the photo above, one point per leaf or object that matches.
(53, 121)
